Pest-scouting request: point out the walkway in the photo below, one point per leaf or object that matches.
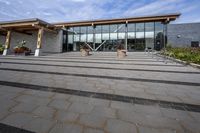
(98, 94)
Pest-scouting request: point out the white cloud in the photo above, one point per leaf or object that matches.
(78, 0)
(155, 7)
(73, 10)
(5, 1)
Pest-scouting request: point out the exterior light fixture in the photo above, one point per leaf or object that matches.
(178, 36)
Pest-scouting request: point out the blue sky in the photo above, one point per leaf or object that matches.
(74, 10)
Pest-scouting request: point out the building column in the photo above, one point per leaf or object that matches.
(94, 32)
(7, 43)
(165, 32)
(126, 35)
(39, 42)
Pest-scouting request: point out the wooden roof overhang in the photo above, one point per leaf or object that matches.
(161, 18)
(2, 32)
(25, 26)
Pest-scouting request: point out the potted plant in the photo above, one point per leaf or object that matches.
(22, 49)
(121, 52)
(1, 49)
(84, 49)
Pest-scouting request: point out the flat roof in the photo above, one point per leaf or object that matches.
(35, 23)
(25, 25)
(162, 18)
(24, 21)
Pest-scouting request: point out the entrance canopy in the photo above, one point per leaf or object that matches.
(23, 26)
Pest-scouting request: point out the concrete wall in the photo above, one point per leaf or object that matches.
(2, 40)
(186, 32)
(51, 43)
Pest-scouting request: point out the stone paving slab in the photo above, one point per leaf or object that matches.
(42, 109)
(129, 74)
(140, 116)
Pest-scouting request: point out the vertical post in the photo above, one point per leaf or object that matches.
(94, 37)
(126, 35)
(7, 43)
(39, 42)
(164, 36)
(164, 39)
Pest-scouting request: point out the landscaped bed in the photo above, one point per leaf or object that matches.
(190, 55)
(1, 48)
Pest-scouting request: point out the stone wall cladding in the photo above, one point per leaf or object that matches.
(18, 37)
(52, 43)
(188, 32)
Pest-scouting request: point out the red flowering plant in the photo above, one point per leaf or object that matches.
(21, 48)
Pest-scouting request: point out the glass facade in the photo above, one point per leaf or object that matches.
(133, 36)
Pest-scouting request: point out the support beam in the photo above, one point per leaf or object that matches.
(126, 35)
(7, 43)
(39, 42)
(2, 34)
(3, 29)
(46, 29)
(94, 33)
(22, 32)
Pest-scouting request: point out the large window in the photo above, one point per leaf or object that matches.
(159, 37)
(149, 35)
(131, 37)
(140, 30)
(98, 34)
(108, 37)
(90, 34)
(76, 34)
(105, 32)
(140, 39)
(121, 31)
(83, 34)
(113, 32)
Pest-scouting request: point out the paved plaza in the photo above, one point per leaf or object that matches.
(67, 93)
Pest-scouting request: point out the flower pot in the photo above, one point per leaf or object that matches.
(121, 53)
(84, 52)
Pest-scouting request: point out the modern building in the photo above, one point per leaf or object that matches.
(183, 35)
(134, 34)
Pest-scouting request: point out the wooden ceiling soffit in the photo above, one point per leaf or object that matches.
(2, 34)
(23, 28)
(115, 21)
(18, 24)
(46, 28)
(22, 32)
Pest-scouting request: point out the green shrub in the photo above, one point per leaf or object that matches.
(185, 54)
(1, 48)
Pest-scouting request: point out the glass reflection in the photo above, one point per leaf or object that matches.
(149, 35)
(108, 37)
(140, 40)
(159, 37)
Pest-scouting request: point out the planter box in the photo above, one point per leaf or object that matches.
(121, 54)
(19, 51)
(85, 52)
